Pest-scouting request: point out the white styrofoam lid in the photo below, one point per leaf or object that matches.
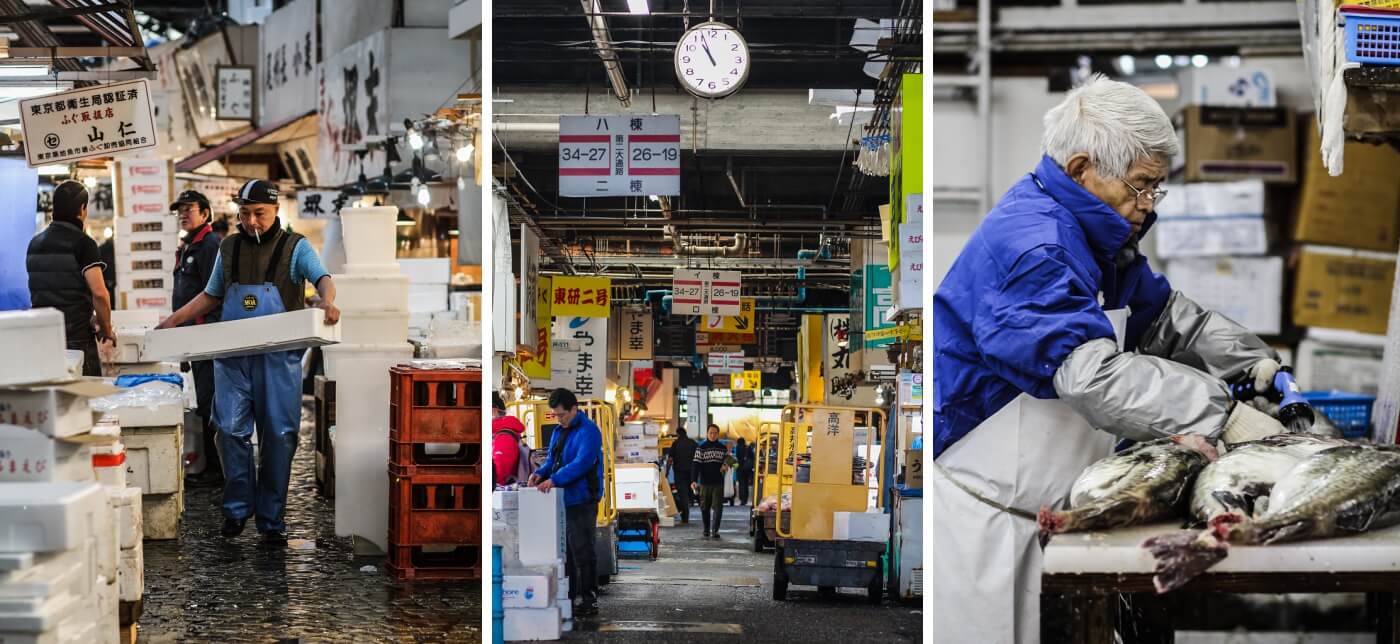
(31, 318)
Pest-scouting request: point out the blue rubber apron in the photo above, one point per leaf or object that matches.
(259, 390)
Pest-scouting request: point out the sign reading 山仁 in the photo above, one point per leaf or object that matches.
(97, 121)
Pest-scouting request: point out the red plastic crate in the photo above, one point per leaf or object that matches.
(410, 459)
(435, 405)
(415, 563)
(434, 510)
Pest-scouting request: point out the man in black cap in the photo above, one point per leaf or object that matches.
(259, 271)
(65, 272)
(194, 265)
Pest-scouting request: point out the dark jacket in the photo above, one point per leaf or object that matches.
(56, 260)
(710, 459)
(683, 454)
(194, 264)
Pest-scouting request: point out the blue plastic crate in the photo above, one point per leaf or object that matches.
(1351, 413)
(1373, 37)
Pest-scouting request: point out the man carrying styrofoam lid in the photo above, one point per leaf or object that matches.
(259, 271)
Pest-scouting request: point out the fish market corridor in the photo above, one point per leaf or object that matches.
(705, 590)
(202, 588)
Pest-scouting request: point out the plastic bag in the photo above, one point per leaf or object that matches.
(153, 392)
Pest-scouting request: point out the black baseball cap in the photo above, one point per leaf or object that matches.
(256, 191)
(191, 196)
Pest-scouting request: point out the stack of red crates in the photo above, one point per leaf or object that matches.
(435, 448)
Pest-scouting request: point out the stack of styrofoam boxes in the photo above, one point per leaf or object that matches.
(427, 290)
(155, 463)
(637, 443)
(372, 297)
(131, 327)
(59, 538)
(535, 591)
(146, 235)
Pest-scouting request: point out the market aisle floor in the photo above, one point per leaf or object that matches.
(702, 590)
(205, 589)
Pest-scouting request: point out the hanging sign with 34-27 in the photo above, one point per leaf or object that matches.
(619, 155)
(98, 121)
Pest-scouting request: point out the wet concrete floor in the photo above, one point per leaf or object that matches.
(205, 589)
(705, 590)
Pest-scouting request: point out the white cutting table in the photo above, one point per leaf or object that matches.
(1085, 573)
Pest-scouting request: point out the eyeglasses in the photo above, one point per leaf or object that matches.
(1154, 196)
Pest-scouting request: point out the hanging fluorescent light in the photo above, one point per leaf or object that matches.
(15, 92)
(53, 171)
(25, 70)
(638, 7)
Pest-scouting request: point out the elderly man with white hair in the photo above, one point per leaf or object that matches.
(1054, 340)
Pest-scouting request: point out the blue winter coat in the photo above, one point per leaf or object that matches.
(1025, 292)
(581, 458)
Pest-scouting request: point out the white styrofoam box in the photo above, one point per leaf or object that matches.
(563, 594)
(1215, 200)
(532, 624)
(1209, 237)
(127, 503)
(636, 488)
(143, 263)
(370, 234)
(155, 458)
(155, 299)
(1248, 290)
(147, 279)
(49, 517)
(42, 618)
(427, 298)
(108, 613)
(27, 455)
(566, 612)
(1223, 85)
(49, 411)
(1387, 408)
(1326, 366)
(108, 542)
(41, 576)
(131, 574)
(510, 518)
(166, 414)
(341, 357)
(373, 269)
(428, 271)
(161, 515)
(541, 524)
(33, 345)
(860, 526)
(142, 368)
(131, 228)
(528, 589)
(128, 346)
(374, 328)
(505, 500)
(109, 465)
(280, 332)
(651, 429)
(135, 319)
(631, 433)
(370, 293)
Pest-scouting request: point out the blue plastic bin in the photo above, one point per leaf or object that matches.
(1373, 37)
(1350, 412)
(498, 612)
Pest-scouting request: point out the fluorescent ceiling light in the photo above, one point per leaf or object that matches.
(638, 6)
(8, 93)
(53, 171)
(24, 70)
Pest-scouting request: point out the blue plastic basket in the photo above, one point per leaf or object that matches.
(1373, 37)
(1351, 413)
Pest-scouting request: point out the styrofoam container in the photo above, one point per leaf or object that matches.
(342, 356)
(128, 346)
(30, 578)
(127, 504)
(374, 328)
(528, 589)
(161, 515)
(532, 624)
(109, 466)
(48, 411)
(361, 377)
(131, 574)
(370, 234)
(370, 293)
(50, 516)
(166, 414)
(542, 518)
(108, 610)
(437, 270)
(27, 455)
(505, 500)
(33, 345)
(155, 458)
(636, 488)
(860, 526)
(427, 298)
(379, 269)
(140, 368)
(135, 319)
(279, 332)
(42, 620)
(154, 299)
(132, 227)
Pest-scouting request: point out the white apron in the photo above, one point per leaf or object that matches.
(985, 563)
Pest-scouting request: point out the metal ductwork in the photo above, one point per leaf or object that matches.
(684, 248)
(593, 13)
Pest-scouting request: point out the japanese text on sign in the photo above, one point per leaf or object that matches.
(705, 292)
(636, 336)
(620, 155)
(743, 323)
(103, 120)
(585, 297)
(746, 381)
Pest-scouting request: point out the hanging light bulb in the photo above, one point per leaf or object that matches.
(107, 232)
(415, 140)
(423, 196)
(464, 153)
(90, 182)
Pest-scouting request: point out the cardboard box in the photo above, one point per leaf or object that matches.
(541, 522)
(1343, 289)
(281, 332)
(51, 412)
(860, 526)
(1360, 208)
(1248, 290)
(1235, 143)
(34, 347)
(532, 624)
(1371, 111)
(1350, 367)
(914, 469)
(1211, 219)
(528, 589)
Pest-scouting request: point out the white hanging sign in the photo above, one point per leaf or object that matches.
(620, 155)
(98, 121)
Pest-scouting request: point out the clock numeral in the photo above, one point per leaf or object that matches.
(734, 71)
(726, 82)
(738, 60)
(686, 60)
(734, 47)
(699, 81)
(689, 71)
(690, 47)
(713, 32)
(712, 85)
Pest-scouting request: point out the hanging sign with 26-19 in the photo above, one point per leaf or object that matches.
(619, 155)
(98, 121)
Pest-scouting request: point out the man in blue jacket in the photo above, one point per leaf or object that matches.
(1053, 340)
(575, 466)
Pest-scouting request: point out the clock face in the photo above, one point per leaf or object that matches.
(712, 60)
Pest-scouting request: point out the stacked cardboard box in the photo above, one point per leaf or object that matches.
(60, 530)
(529, 525)
(637, 443)
(146, 234)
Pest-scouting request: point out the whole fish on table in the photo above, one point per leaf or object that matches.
(1242, 479)
(1145, 483)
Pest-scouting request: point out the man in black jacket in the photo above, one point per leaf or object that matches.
(681, 460)
(65, 273)
(194, 264)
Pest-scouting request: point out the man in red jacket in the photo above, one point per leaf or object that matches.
(506, 433)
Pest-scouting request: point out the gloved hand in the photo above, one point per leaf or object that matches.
(1263, 373)
(1248, 424)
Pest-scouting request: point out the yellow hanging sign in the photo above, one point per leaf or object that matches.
(581, 297)
(746, 381)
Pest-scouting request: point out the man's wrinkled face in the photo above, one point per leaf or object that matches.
(257, 218)
(191, 216)
(1130, 196)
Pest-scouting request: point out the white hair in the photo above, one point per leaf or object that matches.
(1115, 123)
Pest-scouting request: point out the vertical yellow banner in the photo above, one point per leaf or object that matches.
(538, 367)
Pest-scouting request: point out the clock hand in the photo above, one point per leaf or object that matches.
(707, 51)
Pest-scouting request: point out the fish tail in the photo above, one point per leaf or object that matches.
(1052, 521)
(1183, 556)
